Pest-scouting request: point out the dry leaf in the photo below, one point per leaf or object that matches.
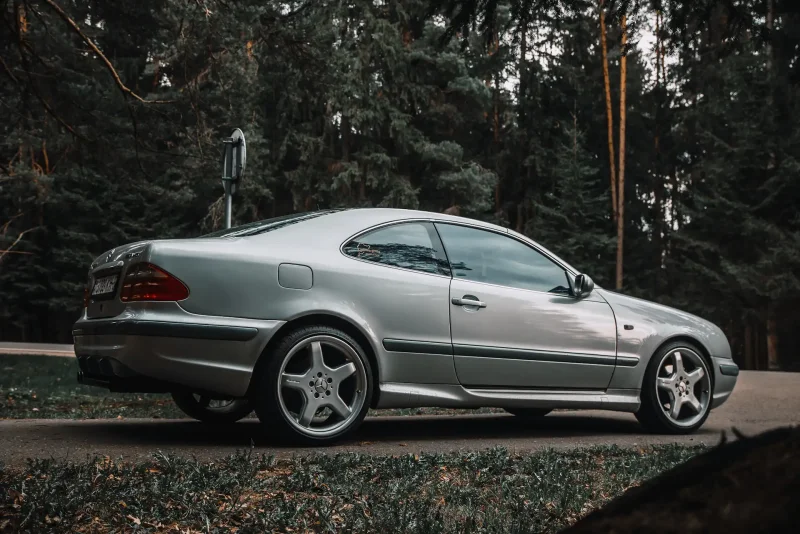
(136, 520)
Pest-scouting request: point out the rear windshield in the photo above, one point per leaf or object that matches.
(267, 225)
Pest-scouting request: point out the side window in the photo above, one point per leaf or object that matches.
(485, 256)
(413, 246)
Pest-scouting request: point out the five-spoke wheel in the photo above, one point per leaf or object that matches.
(316, 386)
(676, 393)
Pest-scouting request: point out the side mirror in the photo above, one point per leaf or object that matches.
(582, 286)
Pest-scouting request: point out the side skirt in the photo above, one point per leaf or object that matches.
(395, 395)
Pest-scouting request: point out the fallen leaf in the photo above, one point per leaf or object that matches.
(403, 444)
(136, 520)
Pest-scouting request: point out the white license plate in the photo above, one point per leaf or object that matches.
(105, 285)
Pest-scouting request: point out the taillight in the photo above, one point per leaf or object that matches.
(86, 296)
(146, 282)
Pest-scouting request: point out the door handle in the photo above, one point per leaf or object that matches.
(471, 302)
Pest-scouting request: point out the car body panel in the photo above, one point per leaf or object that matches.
(215, 361)
(571, 352)
(645, 326)
(558, 341)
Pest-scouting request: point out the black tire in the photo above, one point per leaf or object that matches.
(265, 390)
(529, 413)
(199, 409)
(650, 414)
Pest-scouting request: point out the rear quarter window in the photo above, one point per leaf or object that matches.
(414, 246)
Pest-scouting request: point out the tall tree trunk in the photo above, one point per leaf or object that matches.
(522, 72)
(345, 126)
(772, 338)
(623, 73)
(748, 345)
(496, 121)
(757, 346)
(771, 161)
(658, 185)
(609, 113)
(770, 27)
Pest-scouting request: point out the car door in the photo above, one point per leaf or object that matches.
(525, 330)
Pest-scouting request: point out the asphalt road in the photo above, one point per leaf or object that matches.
(761, 401)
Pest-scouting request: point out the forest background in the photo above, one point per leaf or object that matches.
(652, 144)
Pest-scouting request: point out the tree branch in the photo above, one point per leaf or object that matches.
(17, 240)
(122, 87)
(8, 70)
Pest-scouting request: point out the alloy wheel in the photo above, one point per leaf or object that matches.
(683, 387)
(322, 385)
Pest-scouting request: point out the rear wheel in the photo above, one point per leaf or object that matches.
(315, 388)
(676, 392)
(212, 410)
(528, 412)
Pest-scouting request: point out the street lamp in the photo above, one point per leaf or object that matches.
(234, 154)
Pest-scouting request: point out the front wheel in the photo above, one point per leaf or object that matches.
(210, 410)
(315, 388)
(676, 392)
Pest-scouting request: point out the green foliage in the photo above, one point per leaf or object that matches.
(393, 103)
(489, 491)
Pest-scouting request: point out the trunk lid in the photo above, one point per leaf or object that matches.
(109, 269)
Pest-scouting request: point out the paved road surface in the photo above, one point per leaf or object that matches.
(761, 401)
(37, 349)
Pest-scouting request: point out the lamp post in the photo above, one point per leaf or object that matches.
(234, 155)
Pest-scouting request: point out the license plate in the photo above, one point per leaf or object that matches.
(104, 286)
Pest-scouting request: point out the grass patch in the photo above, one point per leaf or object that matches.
(46, 387)
(489, 491)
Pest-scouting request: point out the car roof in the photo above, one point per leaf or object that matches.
(367, 217)
(337, 226)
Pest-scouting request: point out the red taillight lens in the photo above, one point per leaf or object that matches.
(146, 282)
(86, 296)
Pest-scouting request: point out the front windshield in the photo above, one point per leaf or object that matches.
(267, 225)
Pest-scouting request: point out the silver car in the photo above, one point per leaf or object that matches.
(312, 319)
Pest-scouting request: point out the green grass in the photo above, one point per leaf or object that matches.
(45, 387)
(489, 491)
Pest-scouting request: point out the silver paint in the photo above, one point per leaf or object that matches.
(293, 276)
(235, 281)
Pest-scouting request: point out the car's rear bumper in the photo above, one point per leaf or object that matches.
(726, 373)
(161, 347)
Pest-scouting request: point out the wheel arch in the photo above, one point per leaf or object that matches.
(334, 321)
